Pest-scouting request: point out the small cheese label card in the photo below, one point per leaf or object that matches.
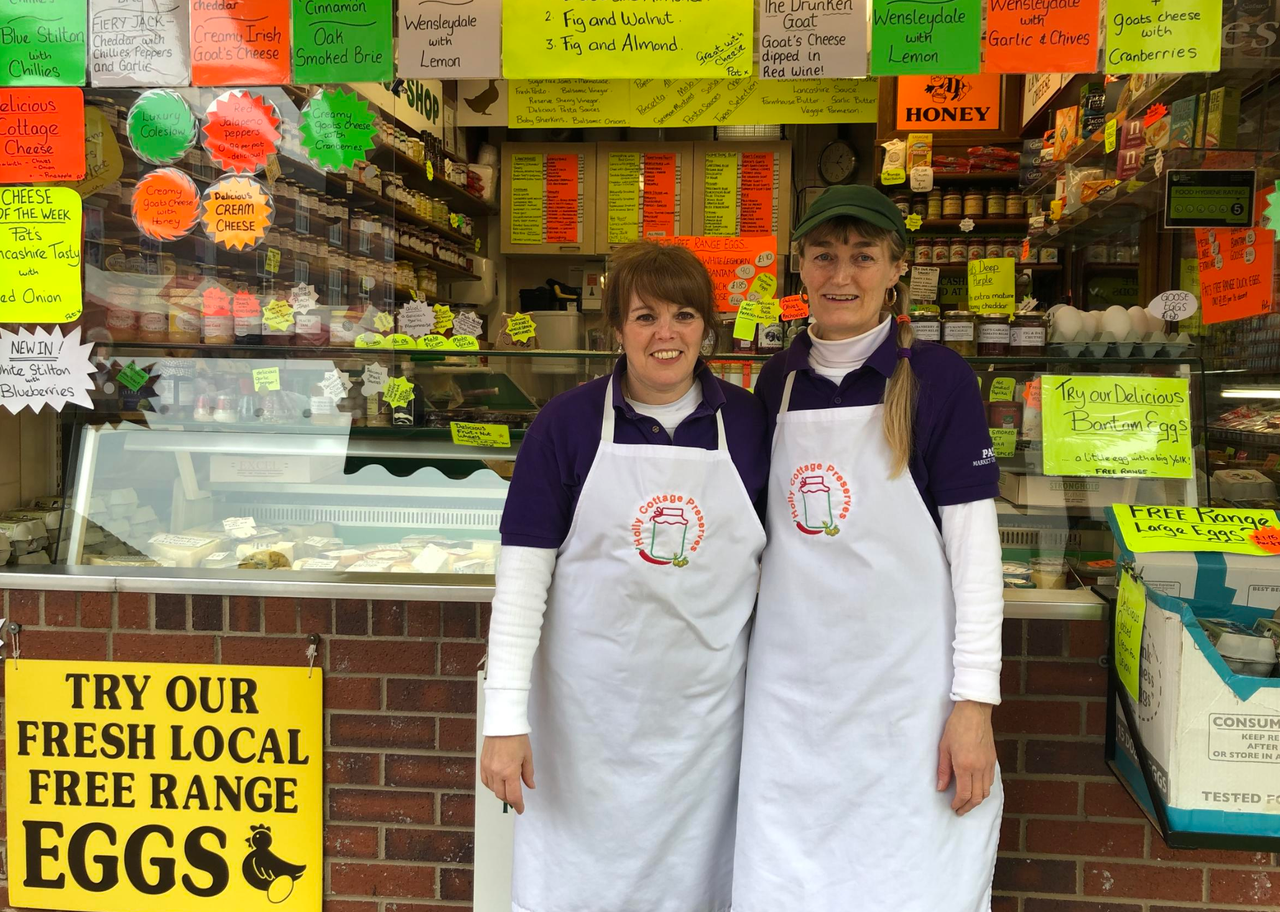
(398, 392)
(132, 377)
(480, 435)
(266, 378)
(521, 328)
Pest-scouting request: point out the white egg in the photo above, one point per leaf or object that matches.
(1142, 324)
(1067, 324)
(1055, 308)
(1089, 320)
(1116, 321)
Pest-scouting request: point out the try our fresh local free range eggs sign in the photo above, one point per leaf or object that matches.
(138, 787)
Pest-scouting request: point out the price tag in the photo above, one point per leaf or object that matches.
(1131, 614)
(431, 171)
(744, 328)
(398, 392)
(336, 384)
(477, 245)
(521, 328)
(921, 179)
(1031, 394)
(278, 315)
(763, 286)
(1004, 441)
(374, 379)
(480, 435)
(891, 176)
(372, 340)
(1145, 529)
(1267, 539)
(384, 322)
(273, 260)
(266, 378)
(273, 168)
(1109, 136)
(924, 283)
(433, 342)
(132, 377)
(417, 318)
(967, 225)
(1173, 305)
(240, 526)
(914, 222)
(402, 341)
(303, 298)
(467, 324)
(464, 343)
(1002, 389)
(443, 318)
(1025, 253)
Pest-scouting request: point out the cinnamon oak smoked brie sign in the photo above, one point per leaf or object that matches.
(138, 787)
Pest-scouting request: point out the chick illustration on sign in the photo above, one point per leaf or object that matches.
(266, 871)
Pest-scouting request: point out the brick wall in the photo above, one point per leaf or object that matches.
(400, 742)
(1072, 839)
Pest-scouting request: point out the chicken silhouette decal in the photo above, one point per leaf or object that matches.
(264, 870)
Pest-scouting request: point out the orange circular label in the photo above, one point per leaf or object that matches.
(1266, 538)
(165, 204)
(236, 212)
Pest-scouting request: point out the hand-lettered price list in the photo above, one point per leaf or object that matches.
(547, 198)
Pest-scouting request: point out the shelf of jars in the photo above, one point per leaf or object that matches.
(456, 196)
(1142, 196)
(962, 268)
(956, 177)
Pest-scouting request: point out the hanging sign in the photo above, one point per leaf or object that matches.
(1147, 529)
(1172, 306)
(1236, 270)
(165, 204)
(1209, 199)
(139, 43)
(1117, 426)
(342, 41)
(239, 42)
(241, 129)
(236, 212)
(40, 255)
(659, 39)
(1164, 36)
(918, 37)
(44, 42)
(1024, 36)
(42, 131)
(338, 129)
(924, 283)
(991, 285)
(217, 778)
(949, 102)
(161, 126)
(1131, 613)
(44, 368)
(450, 39)
(733, 262)
(828, 42)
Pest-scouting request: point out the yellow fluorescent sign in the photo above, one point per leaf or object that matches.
(152, 787)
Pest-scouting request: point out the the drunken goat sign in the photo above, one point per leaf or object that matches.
(152, 787)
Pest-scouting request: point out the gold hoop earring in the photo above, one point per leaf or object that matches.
(893, 305)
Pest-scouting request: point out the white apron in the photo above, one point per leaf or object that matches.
(848, 691)
(636, 700)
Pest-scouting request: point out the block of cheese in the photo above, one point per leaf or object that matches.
(432, 559)
(122, 496)
(183, 550)
(388, 555)
(96, 560)
(344, 556)
(470, 566)
(219, 560)
(315, 544)
(143, 515)
(93, 534)
(488, 550)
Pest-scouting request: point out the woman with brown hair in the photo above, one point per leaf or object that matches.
(875, 658)
(630, 524)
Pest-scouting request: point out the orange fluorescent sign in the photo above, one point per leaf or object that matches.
(933, 103)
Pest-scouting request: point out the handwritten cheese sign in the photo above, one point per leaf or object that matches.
(40, 255)
(1147, 529)
(1117, 426)
(41, 135)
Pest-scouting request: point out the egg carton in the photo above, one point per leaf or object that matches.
(1106, 345)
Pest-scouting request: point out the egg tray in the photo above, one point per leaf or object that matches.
(1107, 348)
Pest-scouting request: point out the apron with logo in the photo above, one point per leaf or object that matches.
(636, 699)
(848, 688)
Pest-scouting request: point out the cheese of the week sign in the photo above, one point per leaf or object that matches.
(138, 787)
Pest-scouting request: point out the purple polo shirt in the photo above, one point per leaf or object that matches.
(953, 461)
(560, 446)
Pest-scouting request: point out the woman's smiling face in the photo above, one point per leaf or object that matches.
(848, 278)
(662, 341)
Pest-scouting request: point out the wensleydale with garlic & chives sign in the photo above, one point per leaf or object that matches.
(141, 787)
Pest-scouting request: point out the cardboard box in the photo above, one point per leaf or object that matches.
(1182, 122)
(1059, 491)
(1243, 580)
(1066, 130)
(1211, 737)
(1202, 105)
(1132, 149)
(1222, 119)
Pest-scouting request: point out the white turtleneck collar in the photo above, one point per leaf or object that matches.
(834, 360)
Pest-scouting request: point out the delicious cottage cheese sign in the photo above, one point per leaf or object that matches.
(804, 40)
(450, 39)
(153, 787)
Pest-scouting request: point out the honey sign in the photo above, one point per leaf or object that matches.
(153, 787)
(935, 103)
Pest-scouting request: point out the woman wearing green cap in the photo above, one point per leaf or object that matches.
(869, 776)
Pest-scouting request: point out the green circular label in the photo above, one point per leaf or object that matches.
(161, 126)
(337, 129)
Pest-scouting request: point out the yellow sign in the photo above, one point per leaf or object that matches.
(528, 201)
(398, 392)
(1175, 36)
(1004, 441)
(1131, 614)
(991, 285)
(624, 197)
(751, 314)
(764, 285)
(278, 315)
(1109, 136)
(372, 340)
(1147, 529)
(444, 318)
(464, 343)
(720, 195)
(40, 255)
(1002, 389)
(433, 342)
(480, 435)
(914, 222)
(521, 328)
(272, 264)
(103, 161)
(402, 341)
(1122, 426)
(384, 322)
(266, 378)
(154, 787)
(891, 176)
(654, 38)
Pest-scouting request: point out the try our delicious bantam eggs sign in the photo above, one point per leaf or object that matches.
(152, 787)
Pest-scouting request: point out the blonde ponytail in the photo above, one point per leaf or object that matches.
(900, 393)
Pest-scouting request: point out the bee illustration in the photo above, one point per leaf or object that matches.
(944, 89)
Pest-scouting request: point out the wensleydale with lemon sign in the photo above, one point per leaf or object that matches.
(139, 787)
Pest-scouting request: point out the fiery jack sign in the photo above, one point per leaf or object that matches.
(152, 787)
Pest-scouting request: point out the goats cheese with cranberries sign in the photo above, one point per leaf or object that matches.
(139, 787)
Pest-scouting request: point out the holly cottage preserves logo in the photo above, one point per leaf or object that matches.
(667, 529)
(819, 498)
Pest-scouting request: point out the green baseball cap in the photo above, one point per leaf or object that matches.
(858, 201)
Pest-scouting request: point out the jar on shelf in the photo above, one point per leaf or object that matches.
(958, 332)
(122, 312)
(1014, 206)
(218, 327)
(312, 328)
(1004, 415)
(993, 335)
(920, 205)
(994, 248)
(976, 248)
(1027, 335)
(995, 203)
(184, 319)
(952, 203)
(974, 202)
(1011, 248)
(903, 202)
(941, 250)
(959, 250)
(933, 208)
(927, 326)
(923, 251)
(153, 317)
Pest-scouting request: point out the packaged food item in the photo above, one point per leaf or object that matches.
(1131, 143)
(1049, 572)
(1271, 630)
(1093, 108)
(1016, 570)
(974, 203)
(895, 157)
(993, 336)
(1182, 122)
(1091, 190)
(919, 150)
(1027, 335)
(952, 203)
(958, 332)
(1156, 136)
(1244, 651)
(1004, 415)
(1065, 130)
(927, 326)
(1222, 118)
(933, 208)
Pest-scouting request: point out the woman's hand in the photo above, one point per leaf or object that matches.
(968, 749)
(504, 763)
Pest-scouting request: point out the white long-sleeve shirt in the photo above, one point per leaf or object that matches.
(971, 540)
